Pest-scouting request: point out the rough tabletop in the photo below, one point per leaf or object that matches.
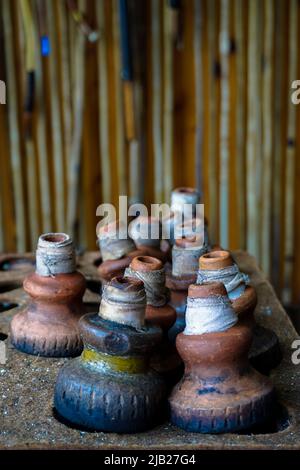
(26, 383)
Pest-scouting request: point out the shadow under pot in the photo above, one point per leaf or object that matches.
(48, 325)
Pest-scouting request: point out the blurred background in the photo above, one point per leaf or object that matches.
(107, 98)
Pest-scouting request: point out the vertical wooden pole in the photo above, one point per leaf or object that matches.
(290, 157)
(267, 134)
(198, 61)
(224, 44)
(168, 100)
(76, 146)
(240, 137)
(156, 99)
(14, 132)
(103, 103)
(56, 122)
(212, 144)
(254, 129)
(119, 127)
(276, 235)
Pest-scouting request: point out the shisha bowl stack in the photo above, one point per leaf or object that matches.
(185, 258)
(48, 326)
(158, 311)
(220, 392)
(111, 387)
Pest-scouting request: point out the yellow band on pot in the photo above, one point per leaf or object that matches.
(131, 364)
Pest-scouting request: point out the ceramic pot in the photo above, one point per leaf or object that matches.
(185, 256)
(110, 387)
(220, 392)
(48, 326)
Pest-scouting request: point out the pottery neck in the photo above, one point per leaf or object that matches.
(55, 255)
(219, 266)
(124, 302)
(114, 241)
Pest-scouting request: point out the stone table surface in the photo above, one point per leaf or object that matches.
(26, 382)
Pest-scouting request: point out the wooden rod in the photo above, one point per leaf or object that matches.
(240, 136)
(212, 132)
(224, 45)
(56, 124)
(14, 135)
(119, 125)
(76, 145)
(103, 103)
(290, 157)
(267, 104)
(254, 130)
(168, 106)
(199, 93)
(157, 100)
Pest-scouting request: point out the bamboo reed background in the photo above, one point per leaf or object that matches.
(212, 107)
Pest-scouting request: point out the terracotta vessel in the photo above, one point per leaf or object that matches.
(265, 352)
(165, 359)
(48, 326)
(185, 256)
(117, 253)
(111, 387)
(218, 265)
(219, 392)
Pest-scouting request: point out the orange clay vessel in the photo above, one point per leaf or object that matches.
(220, 392)
(48, 326)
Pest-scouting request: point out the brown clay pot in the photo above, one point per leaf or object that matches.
(244, 305)
(220, 392)
(111, 387)
(185, 256)
(165, 359)
(48, 326)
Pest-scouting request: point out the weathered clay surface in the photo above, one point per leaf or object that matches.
(27, 383)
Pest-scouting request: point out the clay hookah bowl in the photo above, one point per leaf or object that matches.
(146, 231)
(243, 298)
(162, 315)
(110, 387)
(165, 359)
(48, 326)
(220, 392)
(185, 256)
(118, 253)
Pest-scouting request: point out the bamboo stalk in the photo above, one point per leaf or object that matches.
(224, 44)
(120, 132)
(240, 118)
(65, 81)
(254, 131)
(156, 99)
(198, 26)
(267, 135)
(212, 147)
(56, 123)
(277, 145)
(290, 157)
(31, 170)
(103, 103)
(18, 188)
(168, 107)
(75, 153)
(42, 152)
